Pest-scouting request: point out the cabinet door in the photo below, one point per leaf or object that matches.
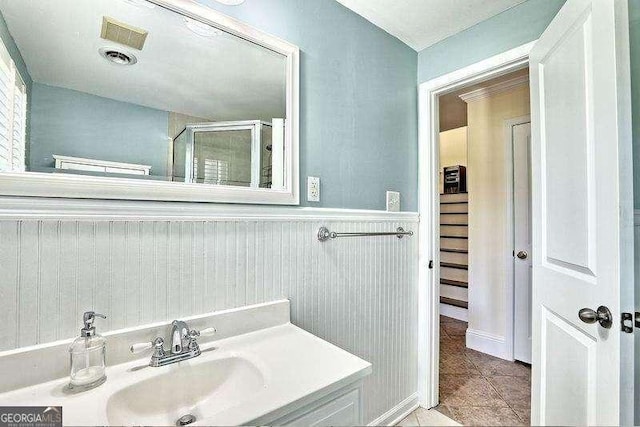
(343, 411)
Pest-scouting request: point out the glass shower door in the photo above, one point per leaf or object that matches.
(223, 157)
(241, 154)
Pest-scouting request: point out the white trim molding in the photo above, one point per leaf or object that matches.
(486, 92)
(429, 243)
(27, 208)
(38, 184)
(484, 342)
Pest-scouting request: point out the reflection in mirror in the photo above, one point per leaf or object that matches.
(126, 88)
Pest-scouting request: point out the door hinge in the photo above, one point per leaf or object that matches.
(431, 265)
(628, 317)
(637, 319)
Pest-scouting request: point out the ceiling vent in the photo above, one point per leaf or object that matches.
(122, 33)
(117, 57)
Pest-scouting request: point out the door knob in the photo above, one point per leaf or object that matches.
(523, 255)
(603, 316)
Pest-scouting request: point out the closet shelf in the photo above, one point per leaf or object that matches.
(454, 251)
(454, 265)
(454, 302)
(456, 283)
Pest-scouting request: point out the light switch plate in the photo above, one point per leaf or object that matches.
(313, 189)
(393, 201)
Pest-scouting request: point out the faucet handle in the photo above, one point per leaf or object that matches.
(157, 344)
(207, 332)
(140, 347)
(194, 334)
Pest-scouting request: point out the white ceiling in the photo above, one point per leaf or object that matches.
(421, 23)
(221, 77)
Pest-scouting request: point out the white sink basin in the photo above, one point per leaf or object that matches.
(187, 388)
(240, 380)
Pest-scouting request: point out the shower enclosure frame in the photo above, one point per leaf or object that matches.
(255, 126)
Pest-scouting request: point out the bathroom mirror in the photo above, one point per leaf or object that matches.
(146, 100)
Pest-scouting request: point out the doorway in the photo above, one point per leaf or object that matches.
(484, 281)
(582, 216)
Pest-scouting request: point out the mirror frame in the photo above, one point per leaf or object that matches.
(40, 184)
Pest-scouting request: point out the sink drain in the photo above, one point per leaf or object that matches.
(186, 420)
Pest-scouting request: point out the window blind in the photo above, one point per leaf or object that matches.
(215, 171)
(13, 114)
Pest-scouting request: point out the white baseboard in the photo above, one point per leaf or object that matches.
(454, 312)
(484, 342)
(396, 414)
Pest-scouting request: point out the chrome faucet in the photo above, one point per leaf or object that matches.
(184, 345)
(179, 336)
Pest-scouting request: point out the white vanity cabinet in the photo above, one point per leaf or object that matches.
(344, 410)
(342, 407)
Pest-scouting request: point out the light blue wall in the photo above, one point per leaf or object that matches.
(512, 28)
(72, 123)
(358, 127)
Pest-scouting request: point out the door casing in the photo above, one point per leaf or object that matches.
(429, 208)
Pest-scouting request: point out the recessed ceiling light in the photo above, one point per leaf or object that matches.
(231, 2)
(118, 57)
(202, 29)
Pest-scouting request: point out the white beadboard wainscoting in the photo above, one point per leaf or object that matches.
(141, 263)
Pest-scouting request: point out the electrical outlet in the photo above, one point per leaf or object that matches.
(313, 189)
(393, 201)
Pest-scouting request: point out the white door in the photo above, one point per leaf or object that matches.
(521, 138)
(582, 215)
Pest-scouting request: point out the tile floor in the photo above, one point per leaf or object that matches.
(475, 388)
(424, 417)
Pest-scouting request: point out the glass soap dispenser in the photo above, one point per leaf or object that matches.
(87, 356)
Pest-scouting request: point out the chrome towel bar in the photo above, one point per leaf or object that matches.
(324, 234)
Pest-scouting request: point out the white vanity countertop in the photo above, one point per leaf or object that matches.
(294, 367)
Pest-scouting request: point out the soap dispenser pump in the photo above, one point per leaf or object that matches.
(87, 356)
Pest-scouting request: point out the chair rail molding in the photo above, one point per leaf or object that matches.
(31, 208)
